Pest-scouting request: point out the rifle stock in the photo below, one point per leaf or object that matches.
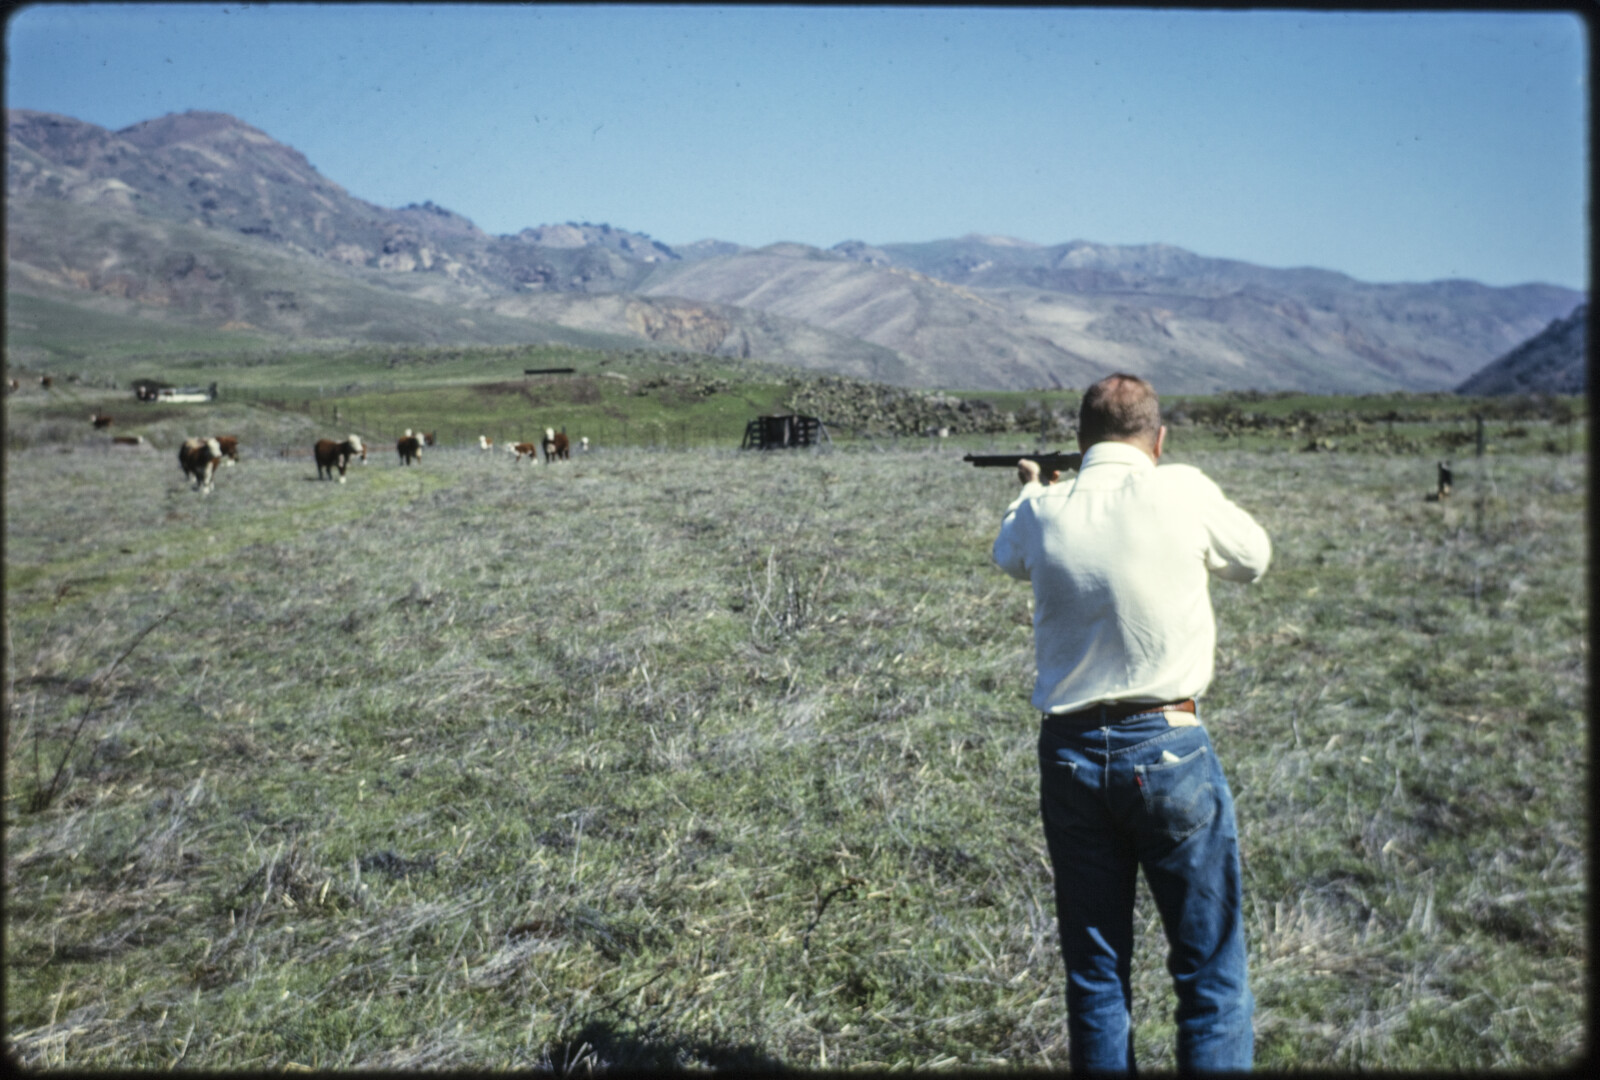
(1055, 461)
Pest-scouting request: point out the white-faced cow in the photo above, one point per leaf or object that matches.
(583, 445)
(230, 448)
(199, 458)
(524, 450)
(409, 448)
(100, 421)
(485, 443)
(332, 455)
(556, 446)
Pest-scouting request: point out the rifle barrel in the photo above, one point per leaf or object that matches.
(1057, 459)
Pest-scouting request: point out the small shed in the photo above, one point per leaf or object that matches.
(782, 432)
(150, 390)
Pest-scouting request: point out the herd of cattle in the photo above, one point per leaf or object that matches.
(201, 457)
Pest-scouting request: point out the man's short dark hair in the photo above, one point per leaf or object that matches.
(1119, 406)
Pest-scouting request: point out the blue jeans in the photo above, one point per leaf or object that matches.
(1140, 793)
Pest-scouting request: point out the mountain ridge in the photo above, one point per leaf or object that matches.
(977, 311)
(1554, 361)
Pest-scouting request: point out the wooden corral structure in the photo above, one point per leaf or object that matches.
(783, 432)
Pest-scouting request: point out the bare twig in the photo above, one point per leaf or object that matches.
(822, 906)
(44, 796)
(612, 1001)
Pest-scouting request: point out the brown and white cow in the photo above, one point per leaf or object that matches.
(230, 448)
(133, 440)
(485, 443)
(410, 449)
(199, 458)
(524, 449)
(100, 422)
(427, 438)
(332, 455)
(556, 445)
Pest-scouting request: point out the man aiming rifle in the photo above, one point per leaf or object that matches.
(1124, 637)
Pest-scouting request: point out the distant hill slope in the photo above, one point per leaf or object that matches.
(985, 313)
(187, 275)
(1555, 361)
(185, 215)
(213, 171)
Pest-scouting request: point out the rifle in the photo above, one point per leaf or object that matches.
(1054, 461)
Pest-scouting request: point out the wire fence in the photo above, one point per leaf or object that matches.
(340, 411)
(342, 415)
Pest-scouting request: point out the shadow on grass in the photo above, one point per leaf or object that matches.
(600, 1045)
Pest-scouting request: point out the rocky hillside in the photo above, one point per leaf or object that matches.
(1555, 361)
(199, 216)
(990, 312)
(213, 171)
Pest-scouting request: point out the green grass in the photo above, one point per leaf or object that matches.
(283, 402)
(47, 334)
(692, 756)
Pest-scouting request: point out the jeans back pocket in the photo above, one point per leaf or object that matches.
(1180, 797)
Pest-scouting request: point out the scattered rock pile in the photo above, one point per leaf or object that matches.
(681, 387)
(853, 404)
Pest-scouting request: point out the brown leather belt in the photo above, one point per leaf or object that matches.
(1111, 712)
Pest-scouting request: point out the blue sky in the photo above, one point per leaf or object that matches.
(1391, 147)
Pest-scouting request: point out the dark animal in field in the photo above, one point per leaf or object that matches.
(1445, 478)
(410, 449)
(13, 386)
(332, 455)
(524, 449)
(230, 448)
(556, 446)
(199, 459)
(428, 438)
(46, 381)
(100, 422)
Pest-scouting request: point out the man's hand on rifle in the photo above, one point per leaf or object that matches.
(1028, 471)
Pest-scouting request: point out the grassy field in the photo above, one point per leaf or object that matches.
(280, 400)
(677, 756)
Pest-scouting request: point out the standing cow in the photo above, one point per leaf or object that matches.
(332, 455)
(556, 446)
(230, 448)
(410, 449)
(199, 458)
